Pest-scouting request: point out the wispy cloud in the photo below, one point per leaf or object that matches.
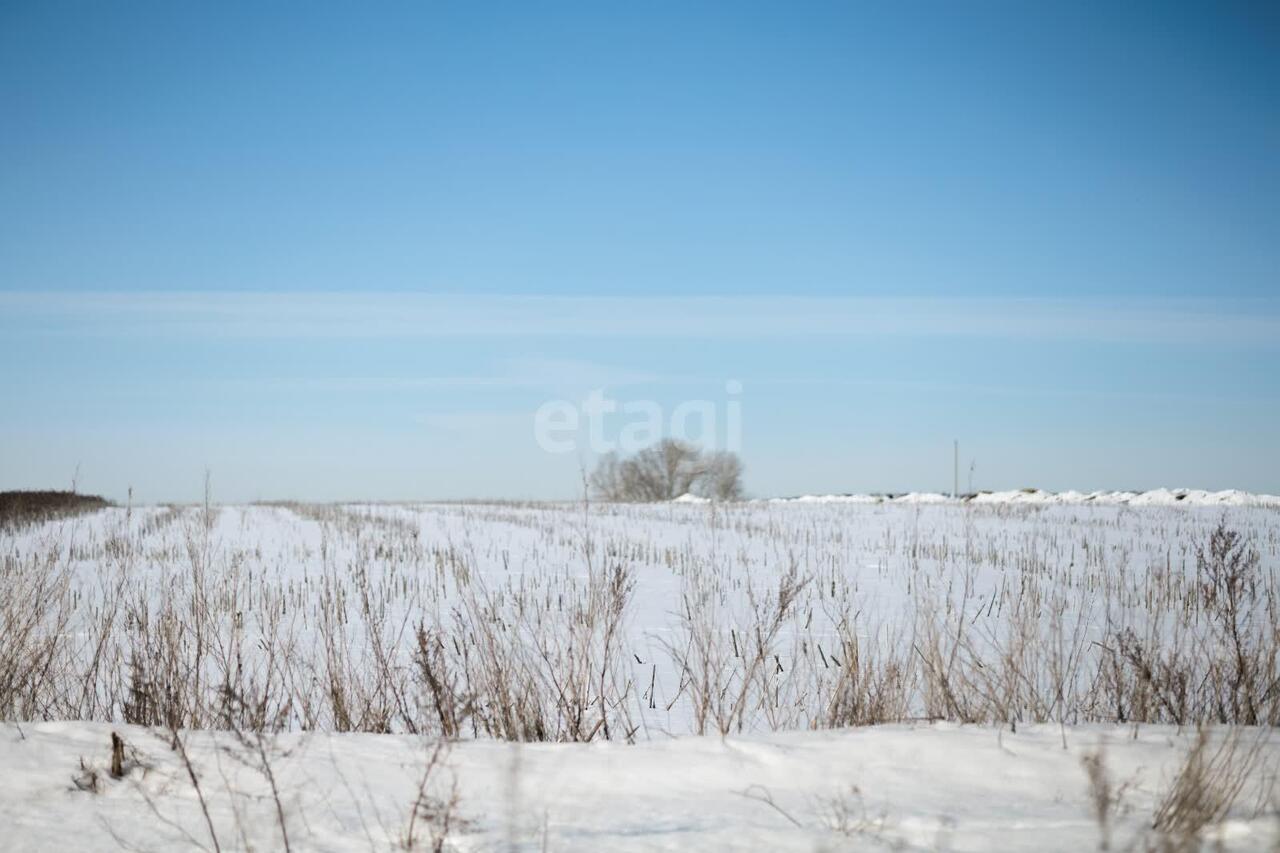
(567, 376)
(381, 314)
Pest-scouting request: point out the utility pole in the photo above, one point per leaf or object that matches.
(955, 486)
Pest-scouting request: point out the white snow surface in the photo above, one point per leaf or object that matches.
(1155, 497)
(925, 787)
(940, 786)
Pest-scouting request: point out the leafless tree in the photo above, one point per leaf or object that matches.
(721, 477)
(673, 465)
(667, 470)
(607, 479)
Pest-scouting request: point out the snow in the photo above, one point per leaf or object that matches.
(922, 498)
(868, 545)
(938, 786)
(1155, 497)
(926, 786)
(830, 499)
(689, 498)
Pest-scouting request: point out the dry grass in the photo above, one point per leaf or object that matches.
(1214, 773)
(527, 631)
(383, 629)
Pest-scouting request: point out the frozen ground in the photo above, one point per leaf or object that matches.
(1155, 497)
(1030, 616)
(927, 787)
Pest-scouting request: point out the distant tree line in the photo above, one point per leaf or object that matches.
(18, 506)
(667, 470)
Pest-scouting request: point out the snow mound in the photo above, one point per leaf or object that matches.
(1014, 496)
(690, 498)
(987, 790)
(1155, 497)
(923, 498)
(830, 499)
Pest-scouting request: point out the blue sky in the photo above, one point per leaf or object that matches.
(345, 252)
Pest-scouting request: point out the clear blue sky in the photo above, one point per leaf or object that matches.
(345, 252)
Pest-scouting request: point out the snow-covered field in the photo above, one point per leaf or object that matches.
(1155, 497)
(810, 674)
(919, 787)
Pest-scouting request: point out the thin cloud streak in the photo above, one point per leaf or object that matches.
(536, 374)
(411, 315)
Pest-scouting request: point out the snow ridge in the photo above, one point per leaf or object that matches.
(1155, 497)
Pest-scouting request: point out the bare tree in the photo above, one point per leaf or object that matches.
(607, 478)
(667, 470)
(676, 466)
(721, 477)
